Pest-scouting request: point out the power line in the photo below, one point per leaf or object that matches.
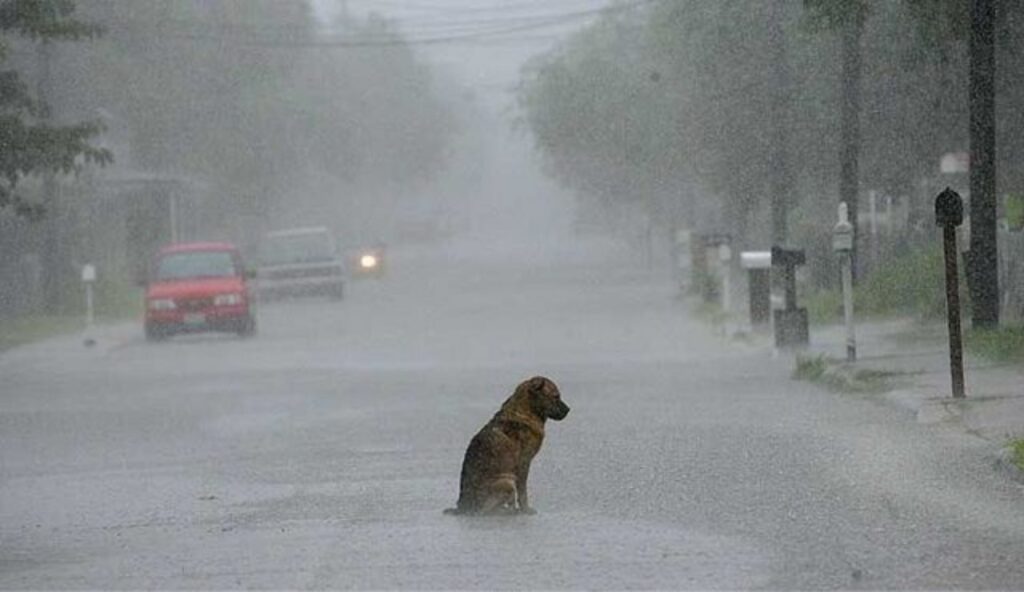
(468, 32)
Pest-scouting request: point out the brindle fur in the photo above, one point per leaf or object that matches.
(497, 461)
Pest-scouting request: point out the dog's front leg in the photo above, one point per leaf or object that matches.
(524, 501)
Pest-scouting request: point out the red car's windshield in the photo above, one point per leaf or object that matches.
(195, 264)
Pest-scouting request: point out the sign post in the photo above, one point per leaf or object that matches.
(725, 259)
(89, 279)
(949, 213)
(842, 244)
(790, 322)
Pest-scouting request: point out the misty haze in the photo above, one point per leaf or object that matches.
(300, 293)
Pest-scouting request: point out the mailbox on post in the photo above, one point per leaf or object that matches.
(709, 257)
(790, 322)
(949, 209)
(842, 244)
(949, 213)
(842, 234)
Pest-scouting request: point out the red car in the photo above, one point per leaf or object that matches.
(196, 287)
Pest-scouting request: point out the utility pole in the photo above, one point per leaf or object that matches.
(983, 274)
(849, 122)
(781, 180)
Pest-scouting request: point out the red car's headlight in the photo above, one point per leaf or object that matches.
(232, 299)
(162, 304)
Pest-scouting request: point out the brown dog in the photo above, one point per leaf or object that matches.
(497, 462)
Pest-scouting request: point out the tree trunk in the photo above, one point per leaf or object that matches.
(983, 271)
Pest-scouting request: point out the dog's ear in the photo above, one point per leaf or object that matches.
(537, 383)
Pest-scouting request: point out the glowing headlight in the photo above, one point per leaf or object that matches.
(162, 304)
(368, 261)
(227, 299)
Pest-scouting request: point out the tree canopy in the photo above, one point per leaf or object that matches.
(250, 98)
(673, 103)
(29, 143)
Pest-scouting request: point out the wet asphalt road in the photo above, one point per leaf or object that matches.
(321, 453)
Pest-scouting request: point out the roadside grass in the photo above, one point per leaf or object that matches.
(838, 377)
(912, 284)
(117, 300)
(712, 312)
(114, 301)
(23, 330)
(1004, 345)
(824, 307)
(810, 368)
(1017, 453)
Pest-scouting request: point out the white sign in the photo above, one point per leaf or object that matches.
(955, 162)
(88, 273)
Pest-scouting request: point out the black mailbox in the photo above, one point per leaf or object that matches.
(949, 208)
(785, 258)
(790, 322)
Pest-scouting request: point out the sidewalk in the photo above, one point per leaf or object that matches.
(916, 359)
(106, 337)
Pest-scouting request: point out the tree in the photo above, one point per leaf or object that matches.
(882, 84)
(984, 261)
(250, 98)
(978, 22)
(29, 143)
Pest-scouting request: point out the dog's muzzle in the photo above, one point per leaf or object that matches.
(560, 412)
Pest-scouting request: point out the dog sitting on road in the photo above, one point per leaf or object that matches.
(497, 462)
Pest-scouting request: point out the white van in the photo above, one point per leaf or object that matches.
(300, 262)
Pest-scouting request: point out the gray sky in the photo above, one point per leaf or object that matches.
(498, 36)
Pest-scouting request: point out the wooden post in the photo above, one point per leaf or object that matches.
(949, 214)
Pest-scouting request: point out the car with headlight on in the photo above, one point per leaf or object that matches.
(300, 262)
(369, 262)
(197, 287)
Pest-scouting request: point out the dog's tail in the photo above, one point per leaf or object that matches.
(453, 511)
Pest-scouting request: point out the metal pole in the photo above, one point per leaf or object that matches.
(888, 217)
(956, 351)
(90, 317)
(789, 273)
(173, 207)
(851, 339)
(726, 297)
(89, 279)
(873, 208)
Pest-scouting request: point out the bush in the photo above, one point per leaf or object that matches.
(1014, 210)
(824, 306)
(911, 284)
(997, 345)
(1017, 448)
(117, 299)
